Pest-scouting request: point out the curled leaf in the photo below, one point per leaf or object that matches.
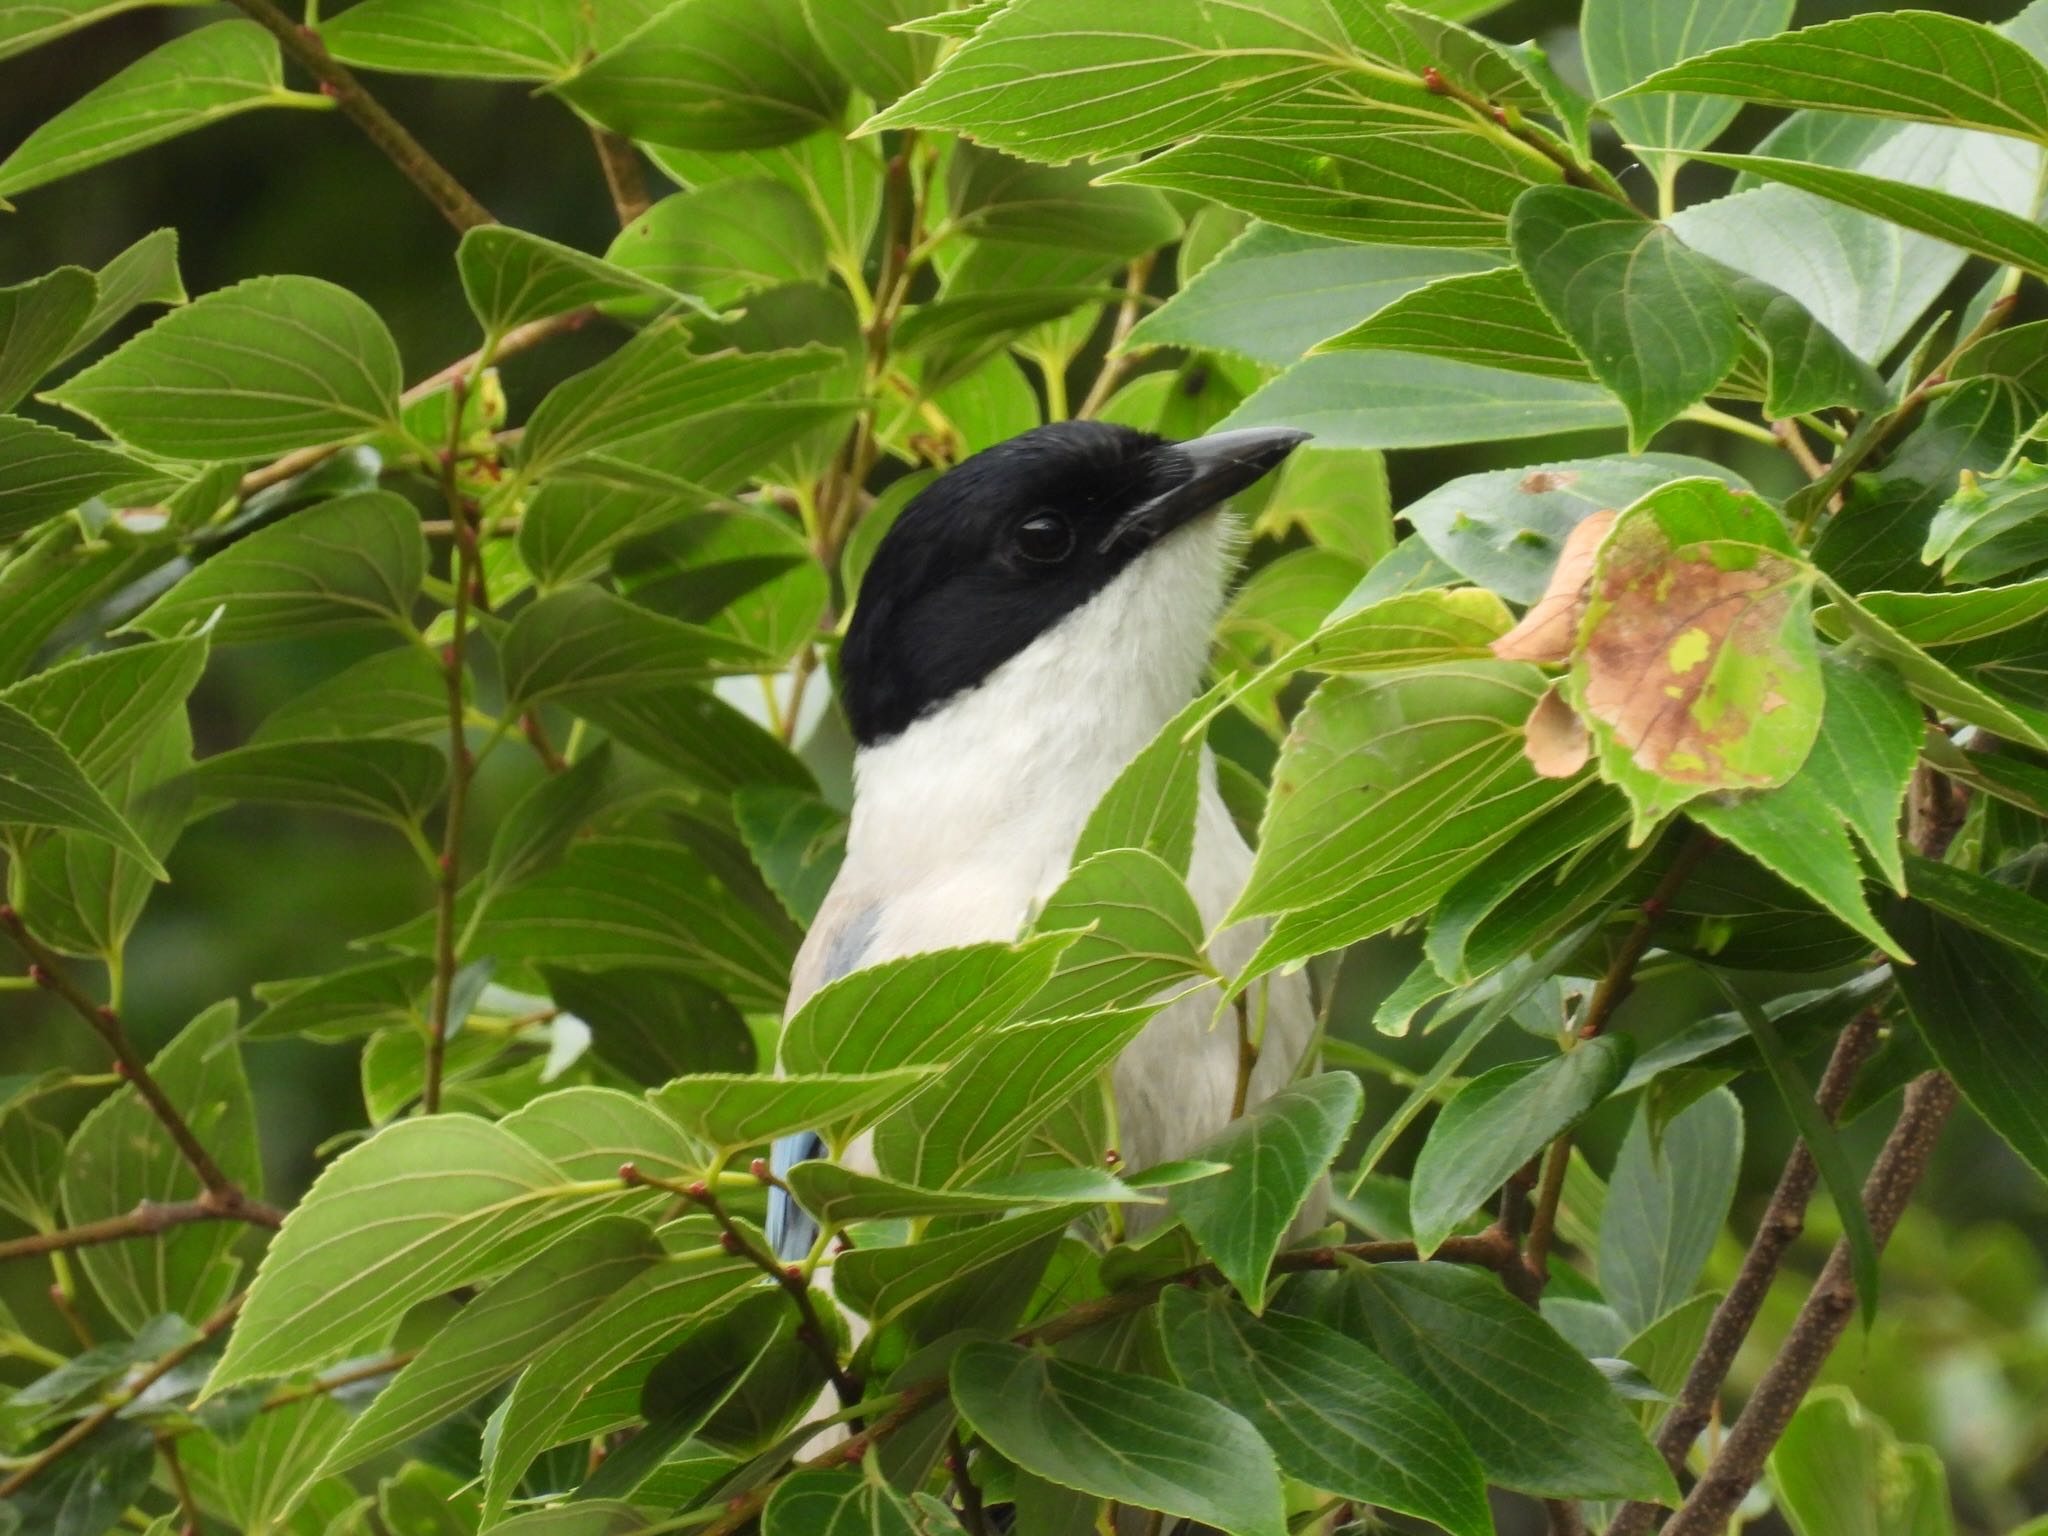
(1556, 740)
(1549, 628)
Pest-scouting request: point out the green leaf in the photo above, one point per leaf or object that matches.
(571, 528)
(41, 786)
(269, 365)
(1337, 1416)
(1625, 43)
(615, 902)
(1665, 1350)
(512, 278)
(1863, 759)
(187, 83)
(1978, 1005)
(30, 25)
(345, 564)
(38, 321)
(382, 778)
(733, 1110)
(1137, 933)
(1990, 527)
(714, 74)
(477, 39)
(1838, 1470)
(105, 707)
(726, 240)
(1152, 802)
(1696, 667)
(1404, 400)
(844, 1501)
(1961, 221)
(1392, 784)
(543, 821)
(654, 377)
(1652, 320)
(266, 1479)
(840, 178)
(1665, 1205)
(837, 1195)
(797, 840)
(1099, 87)
(1137, 1440)
(1276, 1152)
(145, 273)
(589, 1381)
(1921, 65)
(44, 472)
(399, 692)
(31, 1168)
(1393, 184)
(583, 640)
(747, 575)
(1496, 1123)
(87, 1494)
(995, 196)
(1505, 528)
(654, 1025)
(1274, 293)
(694, 733)
(1822, 1142)
(341, 1005)
(1991, 907)
(1489, 319)
(937, 1284)
(375, 1234)
(1949, 691)
(1541, 1418)
(987, 1103)
(868, 42)
(120, 1157)
(515, 1320)
(1955, 618)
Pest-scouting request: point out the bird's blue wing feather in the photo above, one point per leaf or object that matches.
(791, 1229)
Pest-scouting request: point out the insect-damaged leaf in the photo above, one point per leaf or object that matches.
(1696, 665)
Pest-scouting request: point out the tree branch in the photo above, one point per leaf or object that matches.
(1115, 362)
(47, 972)
(303, 44)
(111, 1407)
(1821, 1321)
(149, 1219)
(623, 176)
(1784, 1220)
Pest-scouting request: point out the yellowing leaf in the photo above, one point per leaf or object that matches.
(1552, 622)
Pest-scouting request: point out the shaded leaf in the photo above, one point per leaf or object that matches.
(38, 320)
(512, 277)
(44, 472)
(382, 777)
(1665, 1205)
(41, 786)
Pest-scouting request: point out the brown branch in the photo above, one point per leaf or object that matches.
(460, 764)
(149, 1219)
(304, 46)
(108, 1409)
(810, 1327)
(972, 1513)
(518, 339)
(320, 1386)
(623, 176)
(1784, 1220)
(1487, 1250)
(1115, 362)
(181, 1488)
(47, 972)
(1821, 1321)
(1787, 432)
(1612, 990)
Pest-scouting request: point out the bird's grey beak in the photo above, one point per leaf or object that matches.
(1217, 467)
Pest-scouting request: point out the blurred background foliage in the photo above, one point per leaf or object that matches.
(1958, 1357)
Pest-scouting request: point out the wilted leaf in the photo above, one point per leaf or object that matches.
(1550, 629)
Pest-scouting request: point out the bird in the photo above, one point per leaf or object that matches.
(1030, 621)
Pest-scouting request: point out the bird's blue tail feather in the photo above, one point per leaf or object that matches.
(790, 1228)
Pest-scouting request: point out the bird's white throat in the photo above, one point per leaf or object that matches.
(1003, 775)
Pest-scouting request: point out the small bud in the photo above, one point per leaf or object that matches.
(729, 1241)
(38, 975)
(108, 1016)
(329, 91)
(1500, 115)
(1433, 81)
(735, 1504)
(1112, 1157)
(852, 1450)
(1652, 907)
(795, 1272)
(1935, 378)
(448, 657)
(8, 914)
(629, 1173)
(699, 1191)
(120, 1069)
(445, 864)
(759, 1169)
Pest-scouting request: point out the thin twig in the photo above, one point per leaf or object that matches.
(453, 665)
(1613, 988)
(1116, 362)
(1247, 1057)
(181, 1487)
(149, 1219)
(624, 177)
(48, 972)
(1828, 1309)
(322, 1385)
(810, 1327)
(1786, 431)
(1784, 1220)
(101, 1416)
(303, 44)
(973, 1515)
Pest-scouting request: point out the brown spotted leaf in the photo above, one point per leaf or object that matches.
(1696, 666)
(1556, 740)
(1551, 625)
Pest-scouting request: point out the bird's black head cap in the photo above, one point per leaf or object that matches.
(1000, 548)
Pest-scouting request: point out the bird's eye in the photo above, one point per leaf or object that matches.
(1044, 539)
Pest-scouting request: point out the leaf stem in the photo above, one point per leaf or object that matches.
(1708, 416)
(303, 44)
(47, 972)
(1116, 362)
